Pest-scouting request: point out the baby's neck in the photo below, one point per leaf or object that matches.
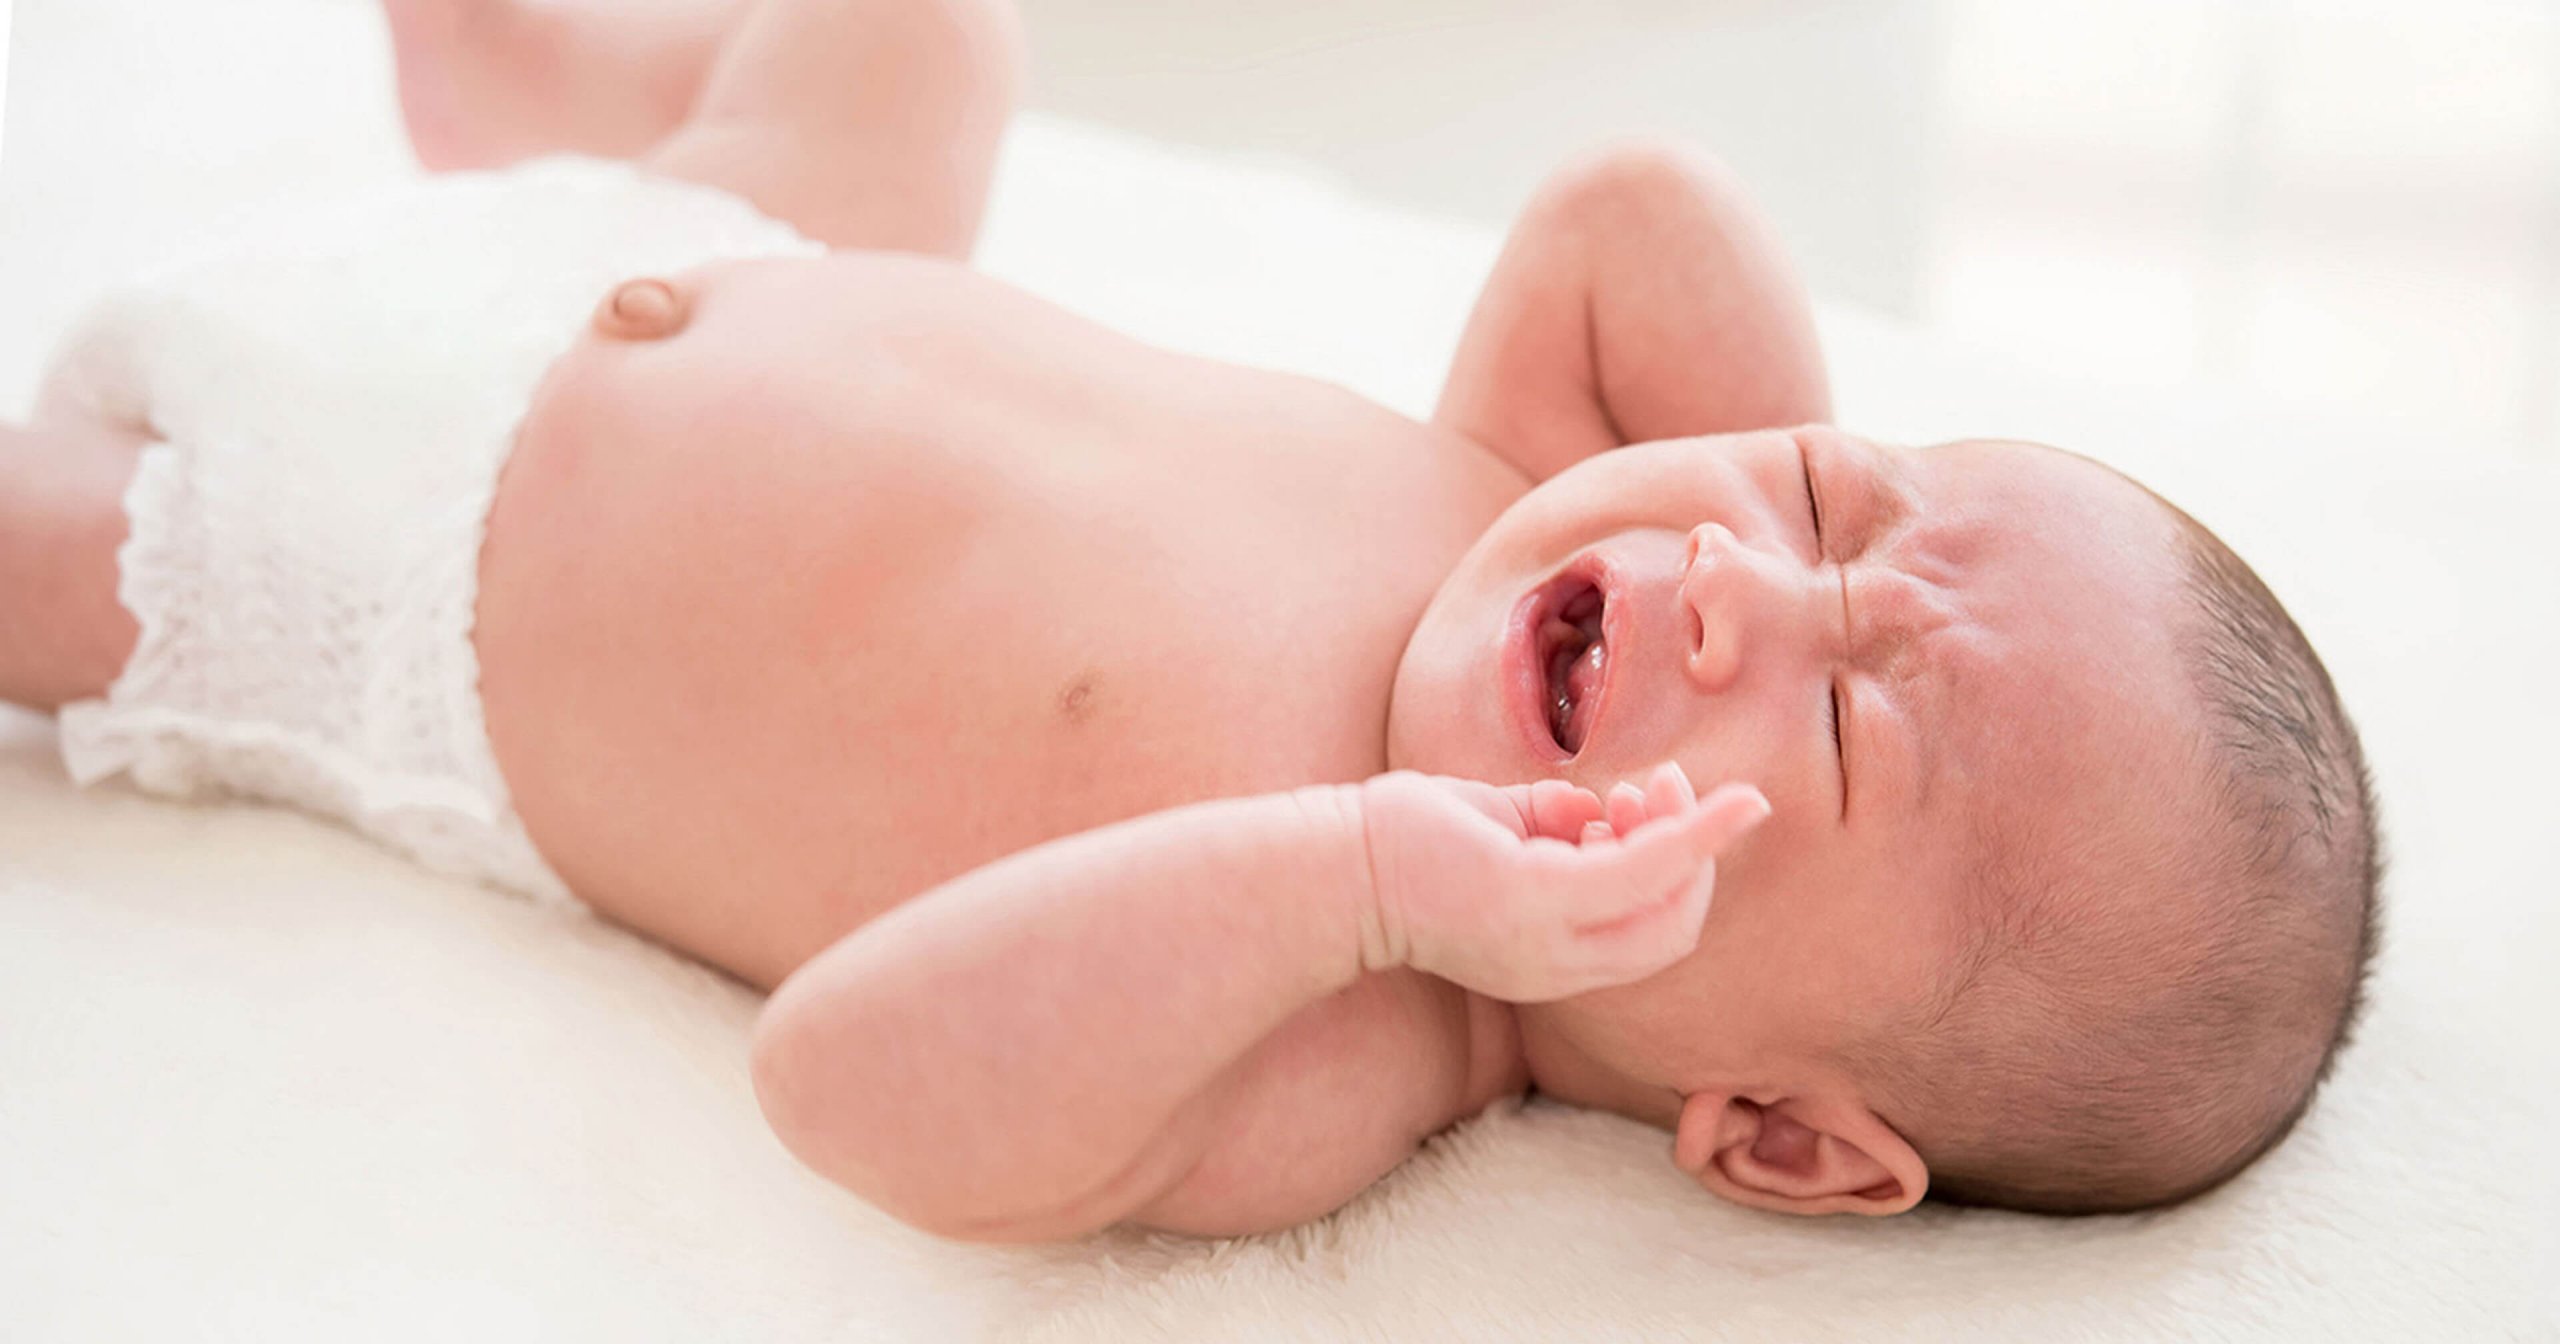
(1496, 1065)
(1551, 1063)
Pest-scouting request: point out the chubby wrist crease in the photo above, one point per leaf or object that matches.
(1340, 815)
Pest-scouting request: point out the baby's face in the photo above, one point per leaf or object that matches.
(1900, 648)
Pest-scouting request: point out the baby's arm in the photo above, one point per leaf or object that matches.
(1173, 1019)
(63, 635)
(1048, 1044)
(1640, 297)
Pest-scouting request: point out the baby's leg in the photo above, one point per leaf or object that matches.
(864, 123)
(63, 634)
(484, 83)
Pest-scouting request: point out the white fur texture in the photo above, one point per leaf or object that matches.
(260, 1080)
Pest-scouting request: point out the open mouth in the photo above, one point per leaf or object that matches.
(1572, 655)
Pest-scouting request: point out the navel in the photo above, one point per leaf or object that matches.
(641, 310)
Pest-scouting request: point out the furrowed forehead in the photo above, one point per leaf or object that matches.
(2054, 688)
(2056, 591)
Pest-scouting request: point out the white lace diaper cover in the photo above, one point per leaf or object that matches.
(335, 394)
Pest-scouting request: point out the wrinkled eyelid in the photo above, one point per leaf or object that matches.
(1840, 746)
(1812, 497)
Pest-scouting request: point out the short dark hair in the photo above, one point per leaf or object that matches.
(2076, 1069)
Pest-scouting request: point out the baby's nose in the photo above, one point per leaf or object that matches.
(1728, 592)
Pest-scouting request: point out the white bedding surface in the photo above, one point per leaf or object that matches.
(259, 1080)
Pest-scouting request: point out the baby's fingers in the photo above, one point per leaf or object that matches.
(1650, 866)
(1667, 792)
(1626, 807)
(1726, 815)
(1664, 793)
(1561, 810)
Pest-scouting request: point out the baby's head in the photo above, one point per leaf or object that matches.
(2069, 891)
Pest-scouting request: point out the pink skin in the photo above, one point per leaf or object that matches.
(1538, 892)
(1983, 611)
(484, 83)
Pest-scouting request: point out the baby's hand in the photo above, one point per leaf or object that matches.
(1543, 891)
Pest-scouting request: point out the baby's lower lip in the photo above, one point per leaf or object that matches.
(1524, 678)
(1532, 690)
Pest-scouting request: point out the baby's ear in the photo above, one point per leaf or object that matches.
(1797, 1155)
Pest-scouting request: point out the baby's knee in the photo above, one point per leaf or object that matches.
(642, 310)
(1642, 177)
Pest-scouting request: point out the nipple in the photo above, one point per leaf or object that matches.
(641, 310)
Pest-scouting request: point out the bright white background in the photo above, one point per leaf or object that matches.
(2339, 209)
(4, 80)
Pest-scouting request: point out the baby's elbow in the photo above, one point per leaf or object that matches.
(800, 1077)
(809, 1084)
(789, 1090)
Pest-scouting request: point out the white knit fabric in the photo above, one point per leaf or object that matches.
(336, 393)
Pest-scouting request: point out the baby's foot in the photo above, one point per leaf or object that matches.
(472, 75)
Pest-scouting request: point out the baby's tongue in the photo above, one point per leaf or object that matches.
(1582, 680)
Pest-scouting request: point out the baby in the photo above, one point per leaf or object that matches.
(1165, 792)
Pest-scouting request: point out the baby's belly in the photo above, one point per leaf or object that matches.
(759, 669)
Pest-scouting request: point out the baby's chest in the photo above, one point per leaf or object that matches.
(833, 675)
(1089, 640)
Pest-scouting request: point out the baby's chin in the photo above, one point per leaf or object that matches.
(1445, 715)
(1422, 732)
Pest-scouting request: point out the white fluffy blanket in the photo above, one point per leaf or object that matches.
(258, 1080)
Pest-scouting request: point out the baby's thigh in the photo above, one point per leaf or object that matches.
(64, 635)
(867, 125)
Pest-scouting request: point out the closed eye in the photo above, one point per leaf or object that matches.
(1813, 507)
(1839, 752)
(1812, 499)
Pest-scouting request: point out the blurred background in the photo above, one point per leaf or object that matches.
(2346, 213)
(4, 74)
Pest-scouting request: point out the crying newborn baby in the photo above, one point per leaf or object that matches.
(1158, 791)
